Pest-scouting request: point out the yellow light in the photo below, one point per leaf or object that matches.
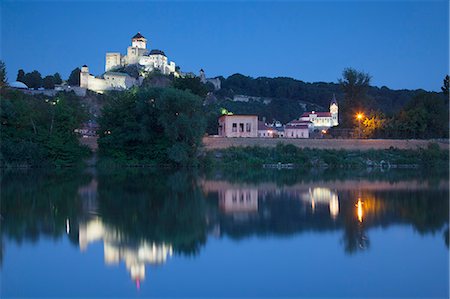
(359, 116)
(324, 131)
(359, 210)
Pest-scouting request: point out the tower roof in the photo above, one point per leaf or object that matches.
(138, 35)
(156, 52)
(333, 100)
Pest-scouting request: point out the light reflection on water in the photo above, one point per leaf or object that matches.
(143, 220)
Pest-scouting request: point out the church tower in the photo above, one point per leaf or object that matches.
(334, 111)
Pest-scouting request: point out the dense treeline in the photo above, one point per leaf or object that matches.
(38, 131)
(319, 93)
(34, 79)
(152, 126)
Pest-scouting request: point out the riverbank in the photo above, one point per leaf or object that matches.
(290, 156)
(213, 143)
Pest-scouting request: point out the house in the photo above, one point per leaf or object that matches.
(265, 131)
(296, 129)
(238, 126)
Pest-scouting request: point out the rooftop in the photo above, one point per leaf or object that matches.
(138, 35)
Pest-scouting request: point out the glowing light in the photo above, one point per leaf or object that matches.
(359, 210)
(224, 111)
(67, 226)
(324, 131)
(359, 116)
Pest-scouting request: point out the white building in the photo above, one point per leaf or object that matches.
(296, 129)
(110, 81)
(265, 131)
(323, 120)
(137, 54)
(238, 126)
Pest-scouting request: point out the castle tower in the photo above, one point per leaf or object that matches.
(334, 111)
(84, 76)
(202, 76)
(139, 41)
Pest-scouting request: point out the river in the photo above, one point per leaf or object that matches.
(272, 233)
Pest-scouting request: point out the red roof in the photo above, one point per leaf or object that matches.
(319, 114)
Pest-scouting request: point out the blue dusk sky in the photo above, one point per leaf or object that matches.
(401, 44)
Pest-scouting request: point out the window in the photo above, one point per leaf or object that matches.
(234, 127)
(292, 134)
(248, 127)
(234, 198)
(241, 127)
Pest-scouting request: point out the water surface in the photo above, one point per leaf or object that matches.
(147, 233)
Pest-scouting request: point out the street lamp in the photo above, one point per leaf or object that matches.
(359, 117)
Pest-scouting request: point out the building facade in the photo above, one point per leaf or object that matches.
(238, 126)
(296, 130)
(138, 55)
(323, 120)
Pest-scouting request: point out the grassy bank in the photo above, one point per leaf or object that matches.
(282, 154)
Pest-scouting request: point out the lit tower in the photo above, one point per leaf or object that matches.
(334, 111)
(84, 77)
(137, 49)
(138, 41)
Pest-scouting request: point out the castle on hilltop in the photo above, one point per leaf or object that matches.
(137, 53)
(139, 61)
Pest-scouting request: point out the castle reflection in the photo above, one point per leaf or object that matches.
(144, 219)
(117, 249)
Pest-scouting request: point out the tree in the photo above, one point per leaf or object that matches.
(445, 87)
(49, 82)
(355, 85)
(373, 124)
(33, 79)
(21, 76)
(74, 78)
(2, 74)
(39, 131)
(191, 84)
(152, 125)
(57, 78)
(425, 116)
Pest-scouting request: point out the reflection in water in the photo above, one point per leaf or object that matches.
(359, 210)
(144, 218)
(116, 248)
(238, 200)
(322, 196)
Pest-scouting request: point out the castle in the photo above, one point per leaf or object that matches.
(138, 57)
